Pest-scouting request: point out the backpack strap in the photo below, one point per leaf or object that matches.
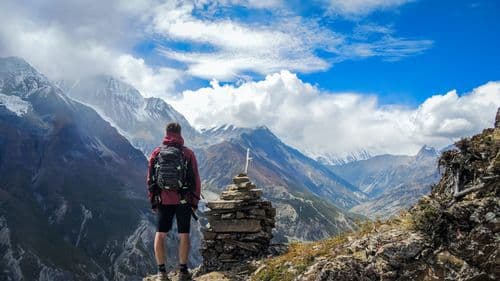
(184, 193)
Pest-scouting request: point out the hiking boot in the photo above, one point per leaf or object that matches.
(162, 276)
(185, 276)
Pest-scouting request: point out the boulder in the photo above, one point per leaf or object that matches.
(236, 225)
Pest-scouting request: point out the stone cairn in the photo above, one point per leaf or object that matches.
(240, 226)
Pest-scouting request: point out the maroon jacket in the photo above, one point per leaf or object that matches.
(170, 197)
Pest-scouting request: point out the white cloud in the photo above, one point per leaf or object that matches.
(70, 40)
(451, 115)
(337, 123)
(150, 82)
(362, 7)
(388, 47)
(227, 49)
(237, 48)
(56, 56)
(256, 4)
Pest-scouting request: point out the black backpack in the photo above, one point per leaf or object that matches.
(171, 169)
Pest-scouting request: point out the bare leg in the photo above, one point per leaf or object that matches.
(160, 247)
(183, 248)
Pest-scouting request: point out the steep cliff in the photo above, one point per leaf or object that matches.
(72, 196)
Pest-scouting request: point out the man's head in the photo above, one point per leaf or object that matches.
(173, 128)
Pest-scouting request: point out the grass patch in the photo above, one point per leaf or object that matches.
(298, 258)
(301, 255)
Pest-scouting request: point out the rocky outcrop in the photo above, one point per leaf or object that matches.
(240, 226)
(452, 234)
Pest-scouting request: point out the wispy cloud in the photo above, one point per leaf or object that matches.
(256, 4)
(237, 47)
(388, 47)
(290, 42)
(67, 39)
(362, 7)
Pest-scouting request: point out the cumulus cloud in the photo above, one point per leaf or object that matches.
(338, 123)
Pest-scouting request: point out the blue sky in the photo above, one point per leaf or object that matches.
(464, 54)
(465, 37)
(330, 77)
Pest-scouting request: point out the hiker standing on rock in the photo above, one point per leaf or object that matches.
(173, 190)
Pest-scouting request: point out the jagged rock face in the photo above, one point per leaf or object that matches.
(452, 234)
(240, 226)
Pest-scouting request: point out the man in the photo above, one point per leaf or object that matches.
(173, 190)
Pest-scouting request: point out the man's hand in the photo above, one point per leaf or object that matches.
(154, 189)
(193, 212)
(155, 202)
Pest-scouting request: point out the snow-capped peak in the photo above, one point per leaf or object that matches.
(342, 158)
(18, 78)
(427, 151)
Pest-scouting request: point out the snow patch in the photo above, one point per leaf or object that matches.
(15, 104)
(59, 213)
(87, 214)
(341, 158)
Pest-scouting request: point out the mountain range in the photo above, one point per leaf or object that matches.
(71, 187)
(282, 170)
(392, 182)
(72, 166)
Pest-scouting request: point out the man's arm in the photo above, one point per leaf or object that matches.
(197, 182)
(151, 180)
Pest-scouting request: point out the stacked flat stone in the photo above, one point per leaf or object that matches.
(240, 226)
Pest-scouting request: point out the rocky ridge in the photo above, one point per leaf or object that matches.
(452, 234)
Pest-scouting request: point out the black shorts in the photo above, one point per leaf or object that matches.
(166, 214)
